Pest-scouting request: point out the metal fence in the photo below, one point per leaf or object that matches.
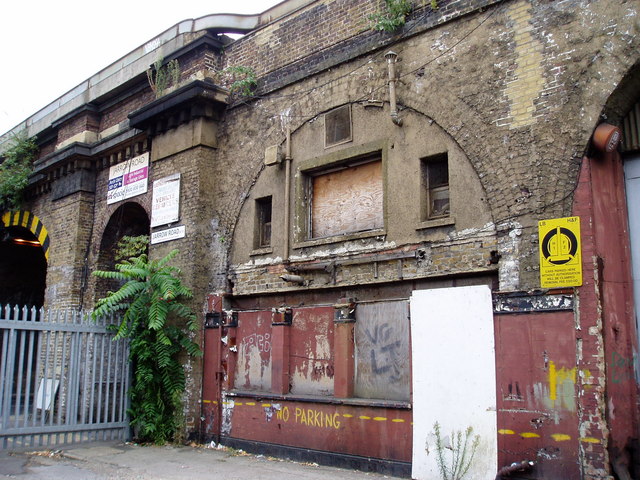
(63, 379)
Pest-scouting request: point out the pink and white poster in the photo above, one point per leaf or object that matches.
(128, 179)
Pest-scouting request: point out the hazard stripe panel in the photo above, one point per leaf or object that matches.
(32, 223)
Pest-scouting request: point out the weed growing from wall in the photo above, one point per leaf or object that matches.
(460, 453)
(239, 80)
(162, 76)
(393, 17)
(395, 13)
(158, 325)
(16, 166)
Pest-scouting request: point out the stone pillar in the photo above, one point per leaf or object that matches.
(344, 348)
(280, 341)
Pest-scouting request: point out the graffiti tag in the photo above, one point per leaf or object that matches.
(384, 350)
(621, 368)
(262, 342)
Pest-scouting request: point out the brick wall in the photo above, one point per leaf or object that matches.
(518, 86)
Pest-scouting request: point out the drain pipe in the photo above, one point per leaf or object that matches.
(392, 58)
(287, 188)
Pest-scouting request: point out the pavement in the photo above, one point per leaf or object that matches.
(129, 461)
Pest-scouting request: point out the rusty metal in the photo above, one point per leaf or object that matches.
(537, 380)
(523, 302)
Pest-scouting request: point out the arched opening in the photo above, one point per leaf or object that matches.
(23, 268)
(129, 219)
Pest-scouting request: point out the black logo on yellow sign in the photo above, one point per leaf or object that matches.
(559, 250)
(559, 246)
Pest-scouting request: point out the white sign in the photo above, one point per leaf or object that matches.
(128, 179)
(165, 204)
(167, 235)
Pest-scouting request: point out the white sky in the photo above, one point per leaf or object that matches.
(49, 47)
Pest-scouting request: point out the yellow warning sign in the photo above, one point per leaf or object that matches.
(560, 252)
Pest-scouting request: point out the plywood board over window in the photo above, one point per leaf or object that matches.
(347, 201)
(382, 351)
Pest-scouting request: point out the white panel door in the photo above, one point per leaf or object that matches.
(453, 376)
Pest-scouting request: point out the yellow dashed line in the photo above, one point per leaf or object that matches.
(589, 440)
(207, 401)
(558, 437)
(345, 415)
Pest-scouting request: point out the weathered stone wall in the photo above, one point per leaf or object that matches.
(518, 85)
(69, 224)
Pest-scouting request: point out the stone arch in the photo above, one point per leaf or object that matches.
(623, 98)
(129, 219)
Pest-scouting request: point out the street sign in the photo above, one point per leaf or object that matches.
(560, 252)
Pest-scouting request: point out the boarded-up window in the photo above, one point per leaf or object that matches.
(311, 363)
(253, 368)
(382, 351)
(347, 201)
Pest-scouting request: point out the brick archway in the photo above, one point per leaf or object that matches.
(28, 220)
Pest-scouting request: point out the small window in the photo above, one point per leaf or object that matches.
(263, 222)
(347, 200)
(435, 180)
(337, 126)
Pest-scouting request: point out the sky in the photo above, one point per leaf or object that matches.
(47, 47)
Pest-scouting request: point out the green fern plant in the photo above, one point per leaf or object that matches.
(461, 453)
(16, 166)
(151, 309)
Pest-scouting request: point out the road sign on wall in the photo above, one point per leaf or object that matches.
(165, 203)
(560, 252)
(128, 179)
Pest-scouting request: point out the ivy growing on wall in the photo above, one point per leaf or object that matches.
(158, 324)
(16, 166)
